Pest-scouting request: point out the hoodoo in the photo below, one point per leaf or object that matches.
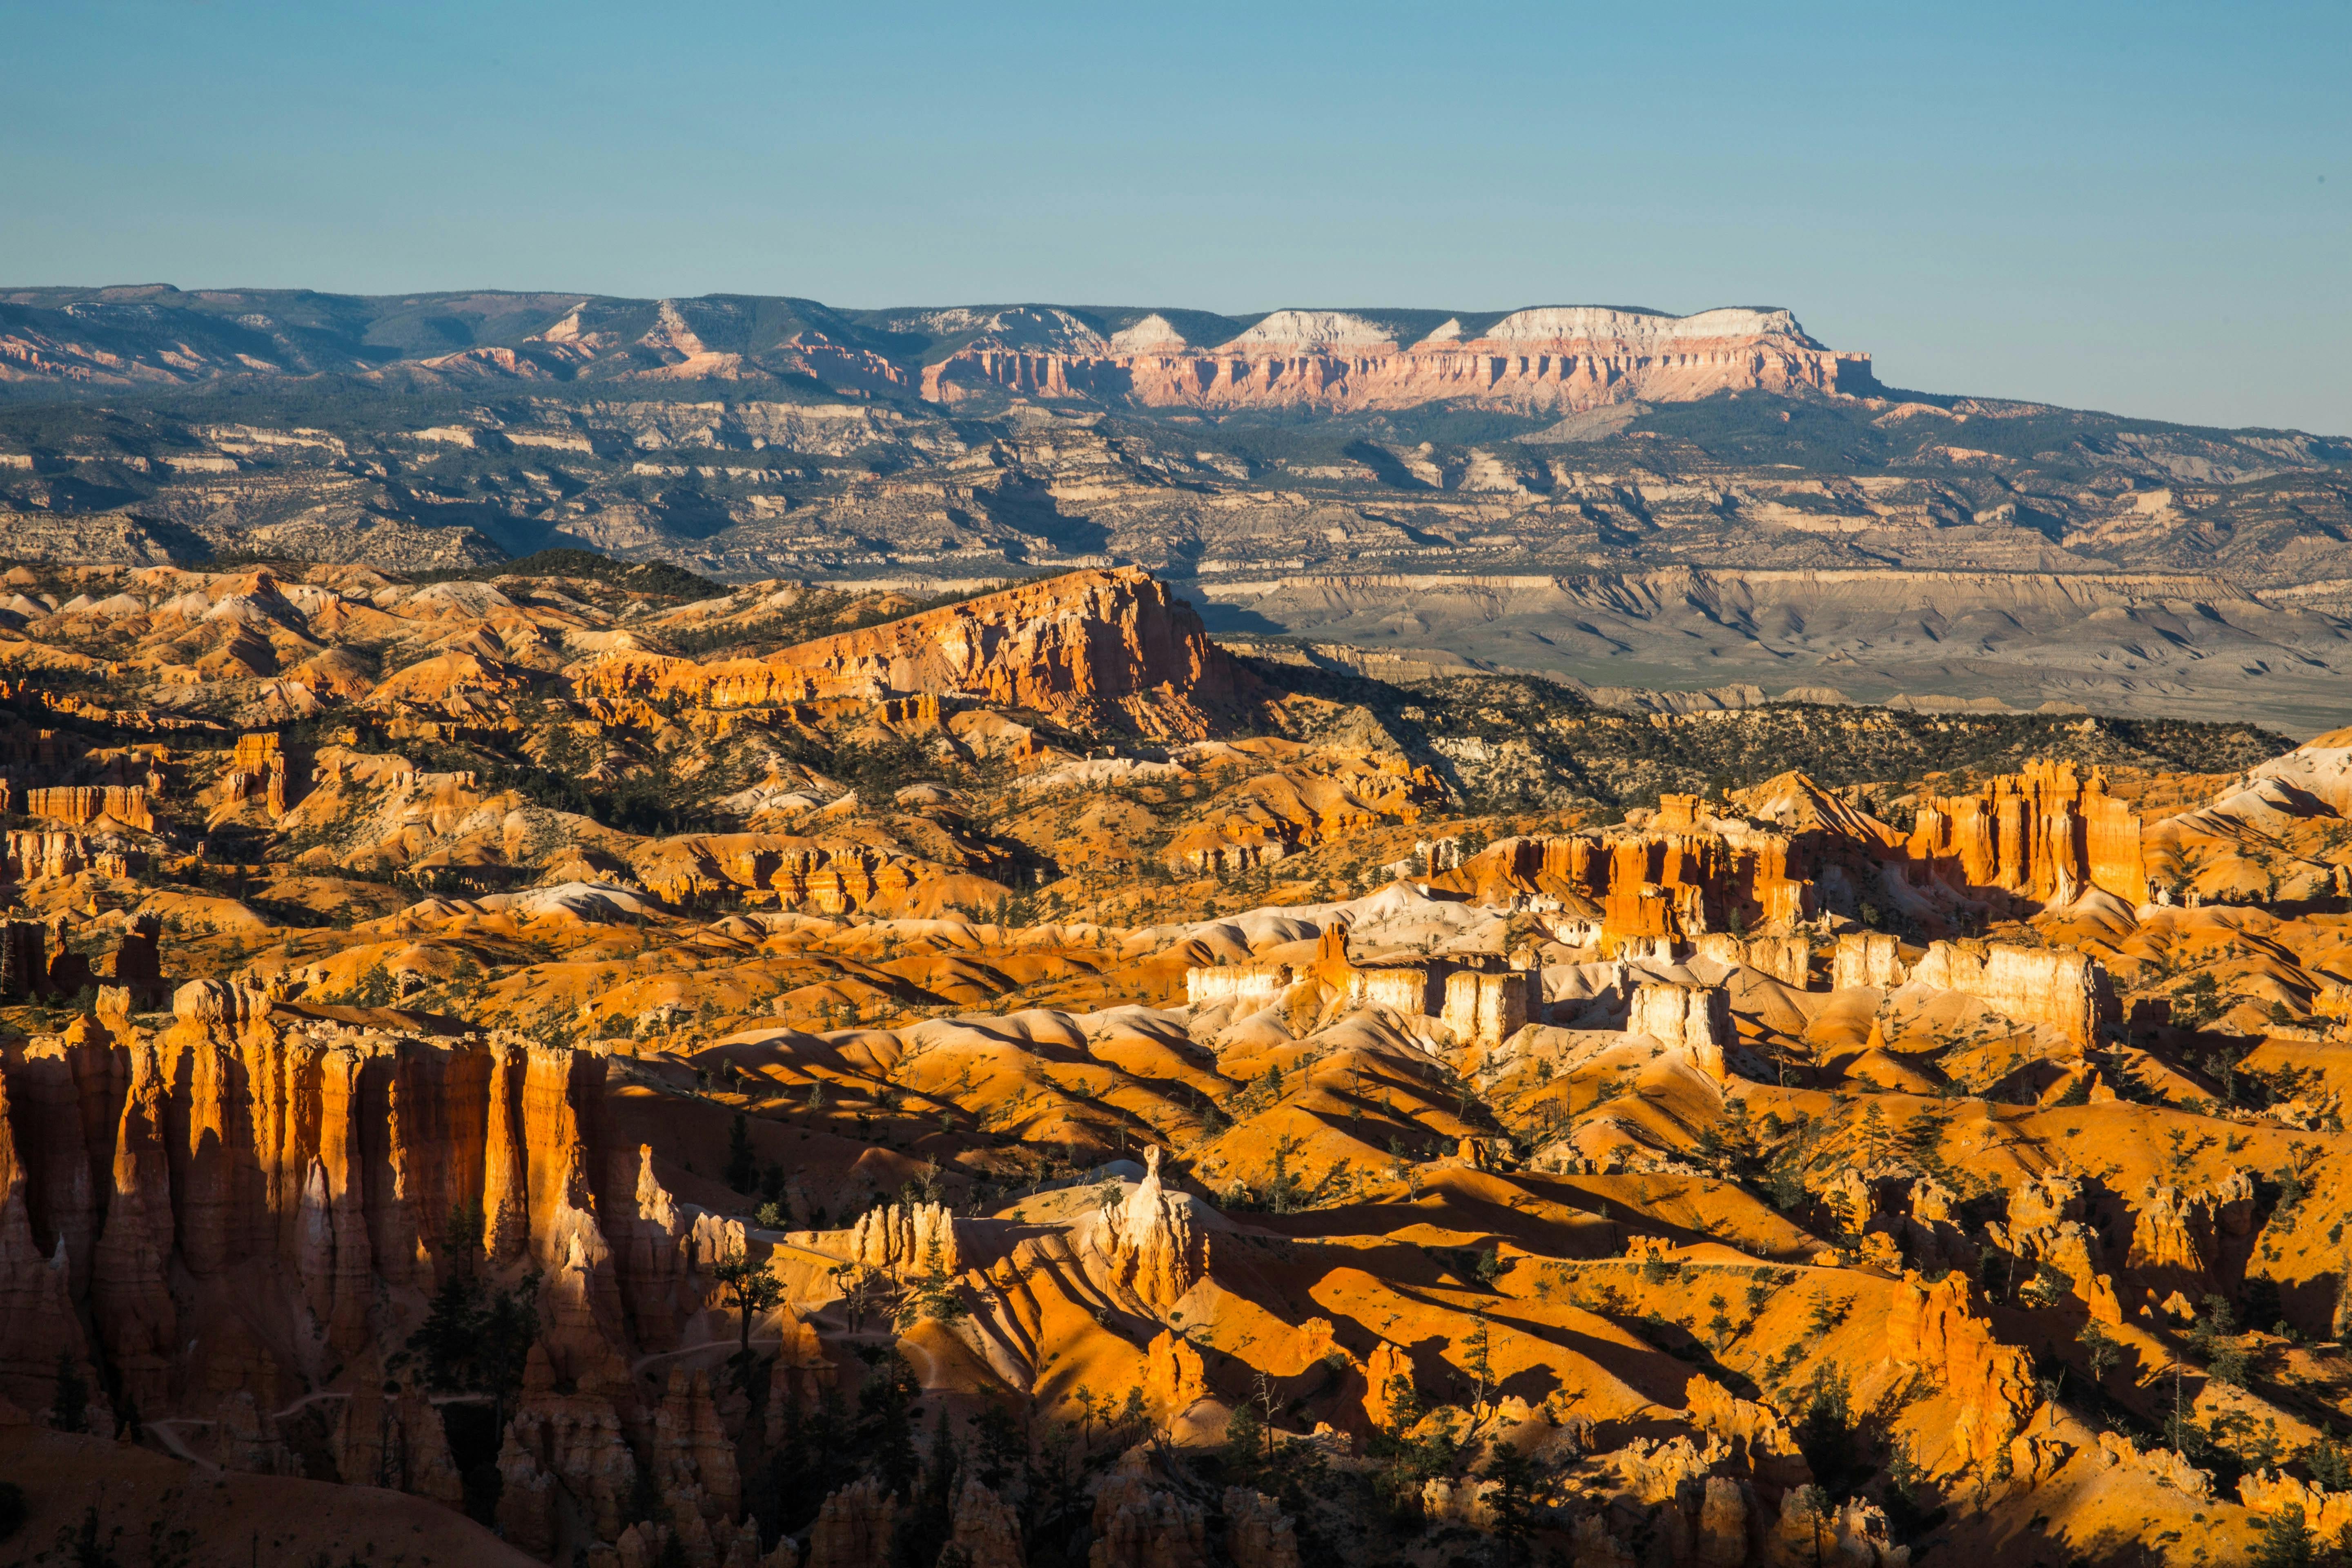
(641, 1075)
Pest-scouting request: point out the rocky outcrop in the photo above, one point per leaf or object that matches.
(1258, 1534)
(984, 1530)
(1109, 650)
(74, 806)
(2178, 1236)
(1484, 1007)
(1866, 958)
(39, 1327)
(2047, 834)
(1554, 357)
(527, 1505)
(1174, 1377)
(1314, 798)
(1459, 1500)
(693, 1457)
(138, 1321)
(1246, 987)
(2172, 1469)
(904, 1239)
(1939, 1328)
(1931, 1232)
(1686, 874)
(1148, 1246)
(1388, 1373)
(1139, 1523)
(804, 873)
(1757, 1436)
(310, 1170)
(2068, 992)
(1095, 650)
(855, 1527)
(2324, 1513)
(1694, 1021)
(2046, 1224)
(1813, 1528)
(257, 771)
(1787, 958)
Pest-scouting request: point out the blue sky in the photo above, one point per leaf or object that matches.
(2145, 208)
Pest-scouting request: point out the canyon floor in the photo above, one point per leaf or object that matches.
(571, 1062)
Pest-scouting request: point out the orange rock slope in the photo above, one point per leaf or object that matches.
(1130, 1139)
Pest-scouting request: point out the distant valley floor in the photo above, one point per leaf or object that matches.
(2140, 645)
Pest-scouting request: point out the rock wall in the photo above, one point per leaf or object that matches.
(79, 805)
(1561, 358)
(2047, 834)
(312, 1170)
(1694, 1021)
(1647, 884)
(1866, 958)
(2069, 991)
(1787, 958)
(1940, 1329)
(1248, 986)
(1485, 1008)
(1108, 649)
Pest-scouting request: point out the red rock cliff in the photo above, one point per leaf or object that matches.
(2047, 834)
(1564, 357)
(1099, 648)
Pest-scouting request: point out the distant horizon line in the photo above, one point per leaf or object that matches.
(587, 294)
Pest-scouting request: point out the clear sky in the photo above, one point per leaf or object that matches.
(2139, 207)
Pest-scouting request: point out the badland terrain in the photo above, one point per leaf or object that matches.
(567, 1061)
(1718, 506)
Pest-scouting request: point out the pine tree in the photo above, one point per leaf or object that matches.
(751, 1289)
(2102, 1352)
(935, 1297)
(1513, 1501)
(1245, 1435)
(1923, 1140)
(1477, 1361)
(742, 1165)
(2287, 1543)
(70, 1410)
(1812, 1505)
(885, 1431)
(1877, 1140)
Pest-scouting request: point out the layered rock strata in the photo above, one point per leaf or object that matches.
(1694, 1021)
(2047, 834)
(310, 1171)
(1562, 357)
(1942, 1329)
(2068, 992)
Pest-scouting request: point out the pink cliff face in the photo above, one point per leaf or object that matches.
(1564, 358)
